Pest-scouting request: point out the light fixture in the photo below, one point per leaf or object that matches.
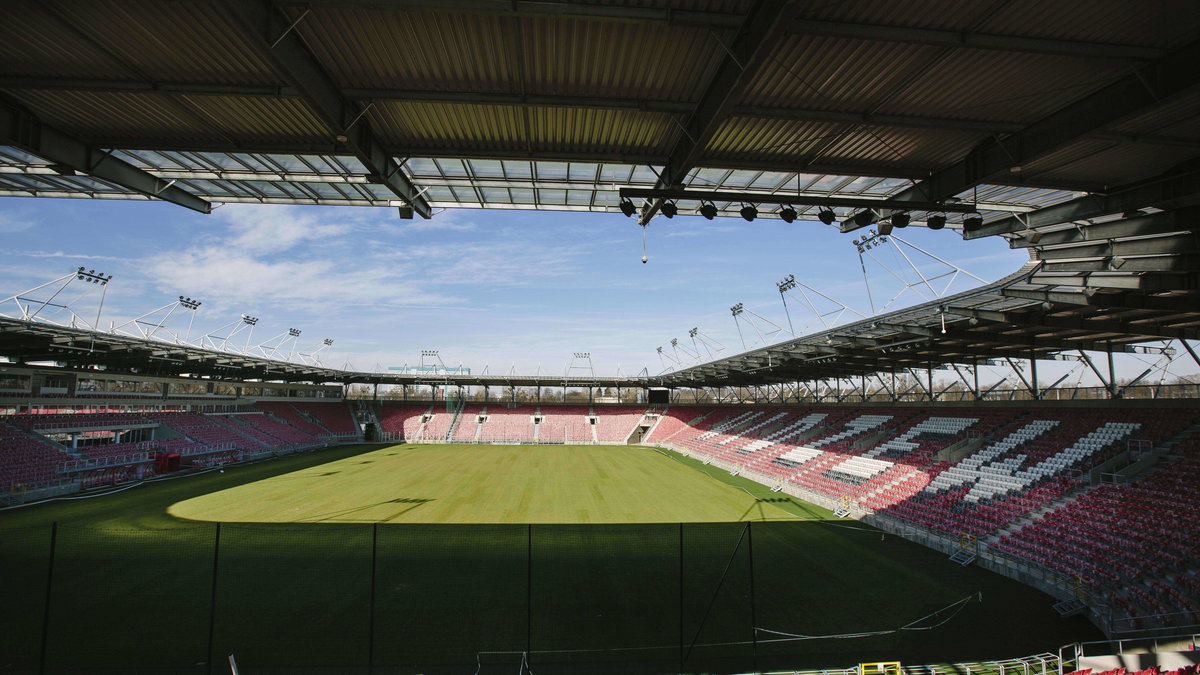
(885, 228)
(748, 212)
(669, 209)
(787, 214)
(900, 219)
(972, 221)
(936, 221)
(864, 218)
(628, 208)
(826, 216)
(708, 210)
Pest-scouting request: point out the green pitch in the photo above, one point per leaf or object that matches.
(488, 484)
(431, 559)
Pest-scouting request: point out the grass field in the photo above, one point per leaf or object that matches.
(133, 572)
(487, 484)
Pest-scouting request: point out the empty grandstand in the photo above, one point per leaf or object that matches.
(998, 473)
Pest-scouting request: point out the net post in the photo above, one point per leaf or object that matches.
(528, 590)
(681, 636)
(212, 603)
(753, 612)
(371, 605)
(49, 587)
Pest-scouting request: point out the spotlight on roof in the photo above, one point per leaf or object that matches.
(748, 212)
(669, 209)
(864, 218)
(884, 230)
(900, 219)
(972, 221)
(936, 221)
(708, 210)
(787, 214)
(293, 332)
(827, 216)
(628, 208)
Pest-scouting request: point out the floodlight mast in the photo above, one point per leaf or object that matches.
(876, 239)
(740, 309)
(146, 326)
(581, 361)
(271, 347)
(314, 358)
(24, 302)
(219, 339)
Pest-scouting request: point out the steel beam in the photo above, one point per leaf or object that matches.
(543, 8)
(756, 35)
(784, 198)
(21, 128)
(1172, 76)
(965, 40)
(271, 34)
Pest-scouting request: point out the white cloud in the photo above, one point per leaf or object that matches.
(273, 229)
(238, 277)
(11, 224)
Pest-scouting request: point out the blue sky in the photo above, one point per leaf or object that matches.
(486, 288)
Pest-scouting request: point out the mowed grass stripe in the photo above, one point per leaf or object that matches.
(484, 484)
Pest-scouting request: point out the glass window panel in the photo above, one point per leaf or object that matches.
(583, 171)
(579, 197)
(465, 194)
(772, 180)
(486, 168)
(496, 195)
(616, 172)
(740, 178)
(643, 174)
(422, 166)
(552, 196)
(522, 195)
(515, 169)
(452, 167)
(441, 194)
(553, 170)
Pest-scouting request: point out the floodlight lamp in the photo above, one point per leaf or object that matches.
(864, 218)
(294, 332)
(328, 342)
(708, 210)
(826, 216)
(692, 332)
(972, 221)
(669, 209)
(737, 309)
(936, 221)
(787, 214)
(748, 212)
(900, 219)
(659, 350)
(249, 320)
(674, 342)
(628, 208)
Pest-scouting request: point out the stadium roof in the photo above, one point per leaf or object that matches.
(1072, 126)
(549, 104)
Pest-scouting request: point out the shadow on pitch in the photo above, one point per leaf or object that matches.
(341, 515)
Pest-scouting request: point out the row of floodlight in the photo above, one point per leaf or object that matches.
(971, 221)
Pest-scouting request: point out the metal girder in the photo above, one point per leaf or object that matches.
(1187, 301)
(757, 33)
(270, 32)
(1175, 189)
(1149, 326)
(964, 40)
(783, 198)
(1167, 78)
(1157, 244)
(545, 8)
(1180, 262)
(21, 128)
(1139, 226)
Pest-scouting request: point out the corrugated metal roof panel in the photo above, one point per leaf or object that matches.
(34, 42)
(259, 119)
(115, 116)
(171, 41)
(938, 14)
(777, 140)
(1111, 21)
(1004, 86)
(438, 125)
(1178, 117)
(1110, 163)
(366, 48)
(835, 73)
